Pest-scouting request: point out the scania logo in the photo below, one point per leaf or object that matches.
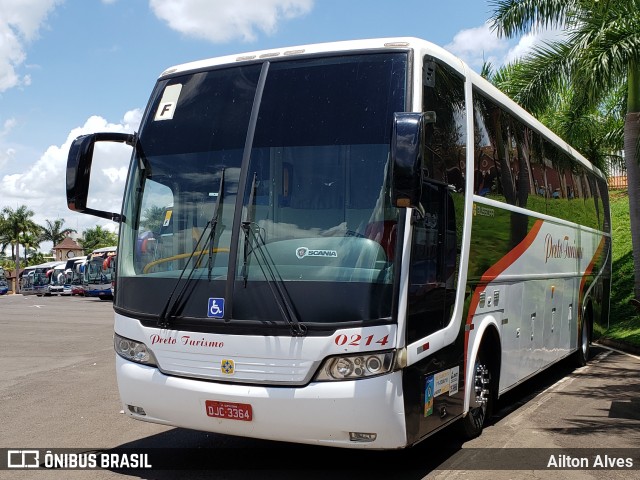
(302, 252)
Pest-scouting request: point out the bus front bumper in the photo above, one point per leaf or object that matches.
(321, 413)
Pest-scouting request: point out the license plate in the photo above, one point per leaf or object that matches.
(230, 410)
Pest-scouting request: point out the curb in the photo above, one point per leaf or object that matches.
(624, 346)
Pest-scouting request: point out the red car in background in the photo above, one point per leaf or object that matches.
(77, 290)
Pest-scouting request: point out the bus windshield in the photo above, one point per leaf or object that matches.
(264, 174)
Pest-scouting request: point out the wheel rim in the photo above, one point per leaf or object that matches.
(482, 382)
(585, 339)
(481, 394)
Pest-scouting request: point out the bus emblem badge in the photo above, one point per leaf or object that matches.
(302, 252)
(227, 366)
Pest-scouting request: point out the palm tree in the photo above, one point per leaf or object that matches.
(36, 258)
(152, 218)
(30, 241)
(93, 238)
(599, 53)
(5, 237)
(16, 224)
(54, 232)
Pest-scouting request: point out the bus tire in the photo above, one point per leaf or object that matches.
(482, 397)
(584, 341)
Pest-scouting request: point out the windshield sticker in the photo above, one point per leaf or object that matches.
(215, 309)
(167, 106)
(167, 218)
(302, 252)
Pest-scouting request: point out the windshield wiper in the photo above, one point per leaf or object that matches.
(274, 281)
(214, 224)
(171, 309)
(246, 224)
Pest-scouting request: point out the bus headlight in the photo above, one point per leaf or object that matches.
(353, 367)
(133, 351)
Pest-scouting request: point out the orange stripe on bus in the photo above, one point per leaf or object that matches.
(587, 272)
(494, 271)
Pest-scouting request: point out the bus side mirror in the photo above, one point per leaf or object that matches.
(407, 159)
(79, 171)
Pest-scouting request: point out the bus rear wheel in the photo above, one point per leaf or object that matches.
(481, 400)
(582, 355)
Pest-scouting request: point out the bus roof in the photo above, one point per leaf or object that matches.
(308, 49)
(105, 249)
(44, 265)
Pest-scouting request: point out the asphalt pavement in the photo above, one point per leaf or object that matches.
(58, 390)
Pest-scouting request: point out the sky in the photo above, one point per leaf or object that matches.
(71, 67)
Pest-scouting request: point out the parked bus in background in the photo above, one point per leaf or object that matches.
(73, 273)
(56, 278)
(98, 271)
(4, 285)
(35, 279)
(359, 253)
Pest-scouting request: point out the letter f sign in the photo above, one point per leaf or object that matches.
(165, 111)
(168, 102)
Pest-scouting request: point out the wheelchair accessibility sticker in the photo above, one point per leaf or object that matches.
(215, 308)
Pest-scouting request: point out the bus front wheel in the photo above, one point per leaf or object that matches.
(481, 398)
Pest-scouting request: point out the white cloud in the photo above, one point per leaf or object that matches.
(8, 126)
(478, 45)
(20, 22)
(42, 186)
(527, 42)
(6, 156)
(224, 20)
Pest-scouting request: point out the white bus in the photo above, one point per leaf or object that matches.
(98, 270)
(35, 279)
(365, 246)
(73, 275)
(56, 280)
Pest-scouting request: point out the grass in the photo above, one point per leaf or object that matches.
(624, 320)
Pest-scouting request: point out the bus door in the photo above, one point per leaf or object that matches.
(433, 263)
(434, 393)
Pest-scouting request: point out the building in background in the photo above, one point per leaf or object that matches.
(66, 249)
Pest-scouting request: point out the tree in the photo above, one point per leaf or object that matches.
(54, 232)
(599, 52)
(152, 218)
(30, 242)
(36, 258)
(5, 236)
(15, 225)
(93, 238)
